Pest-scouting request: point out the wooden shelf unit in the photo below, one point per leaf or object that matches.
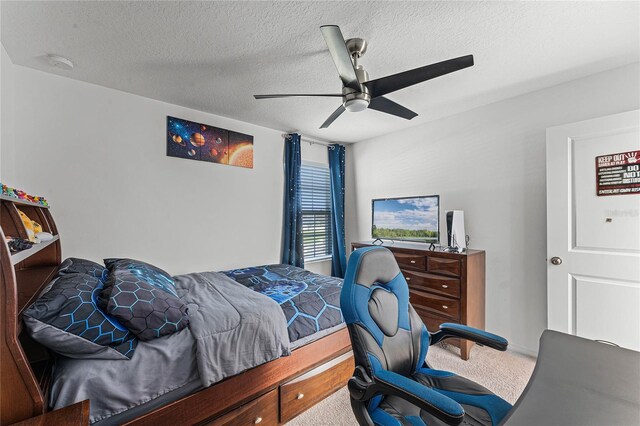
(34, 279)
(22, 255)
(25, 364)
(23, 202)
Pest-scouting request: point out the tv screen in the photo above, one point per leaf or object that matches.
(411, 218)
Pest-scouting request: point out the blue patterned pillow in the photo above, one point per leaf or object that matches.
(143, 298)
(74, 265)
(144, 272)
(67, 320)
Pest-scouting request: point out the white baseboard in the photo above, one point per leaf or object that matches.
(522, 350)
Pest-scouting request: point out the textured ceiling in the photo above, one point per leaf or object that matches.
(213, 56)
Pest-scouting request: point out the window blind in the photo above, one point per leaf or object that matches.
(316, 211)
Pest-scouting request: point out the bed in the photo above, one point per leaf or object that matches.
(264, 344)
(237, 322)
(311, 302)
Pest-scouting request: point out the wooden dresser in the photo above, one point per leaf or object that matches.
(443, 286)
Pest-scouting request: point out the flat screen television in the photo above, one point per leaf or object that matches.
(408, 218)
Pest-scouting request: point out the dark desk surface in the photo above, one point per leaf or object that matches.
(578, 381)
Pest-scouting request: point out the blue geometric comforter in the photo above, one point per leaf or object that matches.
(311, 302)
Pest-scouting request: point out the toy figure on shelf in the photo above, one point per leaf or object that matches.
(21, 195)
(31, 226)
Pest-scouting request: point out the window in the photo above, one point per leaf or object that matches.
(316, 211)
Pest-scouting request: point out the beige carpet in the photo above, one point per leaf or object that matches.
(504, 373)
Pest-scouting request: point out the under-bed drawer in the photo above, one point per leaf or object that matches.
(261, 411)
(312, 387)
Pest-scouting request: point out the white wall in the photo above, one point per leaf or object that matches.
(98, 155)
(6, 112)
(489, 162)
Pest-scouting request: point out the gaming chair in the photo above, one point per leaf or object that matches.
(392, 383)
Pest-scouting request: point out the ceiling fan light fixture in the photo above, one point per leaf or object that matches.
(358, 91)
(356, 105)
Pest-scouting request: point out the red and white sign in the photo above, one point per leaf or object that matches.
(618, 174)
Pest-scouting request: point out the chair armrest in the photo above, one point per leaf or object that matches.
(458, 331)
(363, 388)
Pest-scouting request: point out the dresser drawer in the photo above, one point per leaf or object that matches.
(312, 387)
(433, 283)
(439, 305)
(261, 411)
(410, 261)
(444, 266)
(432, 321)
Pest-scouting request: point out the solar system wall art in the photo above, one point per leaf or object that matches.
(196, 141)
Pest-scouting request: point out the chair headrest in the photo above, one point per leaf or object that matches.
(374, 265)
(375, 298)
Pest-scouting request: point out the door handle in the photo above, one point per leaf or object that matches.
(556, 261)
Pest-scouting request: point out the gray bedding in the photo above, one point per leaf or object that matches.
(232, 329)
(114, 386)
(235, 328)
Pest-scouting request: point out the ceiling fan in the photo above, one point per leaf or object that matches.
(360, 93)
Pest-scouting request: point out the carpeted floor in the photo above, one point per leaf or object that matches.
(504, 373)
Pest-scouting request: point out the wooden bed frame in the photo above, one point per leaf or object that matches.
(273, 392)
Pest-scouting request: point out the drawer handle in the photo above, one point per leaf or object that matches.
(413, 261)
(408, 278)
(445, 286)
(258, 420)
(300, 396)
(445, 307)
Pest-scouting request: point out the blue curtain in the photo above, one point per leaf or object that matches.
(336, 171)
(292, 253)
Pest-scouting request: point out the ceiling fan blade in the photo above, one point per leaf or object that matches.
(297, 95)
(391, 83)
(332, 117)
(340, 54)
(383, 104)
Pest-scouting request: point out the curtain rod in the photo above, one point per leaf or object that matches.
(309, 141)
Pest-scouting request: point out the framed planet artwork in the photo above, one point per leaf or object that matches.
(197, 141)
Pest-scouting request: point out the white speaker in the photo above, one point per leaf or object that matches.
(456, 236)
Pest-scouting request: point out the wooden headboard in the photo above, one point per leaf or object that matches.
(25, 366)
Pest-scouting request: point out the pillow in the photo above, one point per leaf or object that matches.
(143, 298)
(74, 265)
(144, 272)
(67, 320)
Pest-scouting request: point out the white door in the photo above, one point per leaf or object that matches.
(593, 241)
